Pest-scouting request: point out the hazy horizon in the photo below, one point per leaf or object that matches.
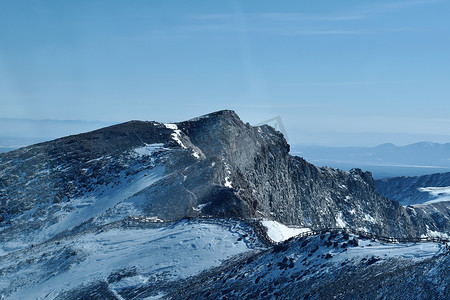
(338, 73)
(31, 131)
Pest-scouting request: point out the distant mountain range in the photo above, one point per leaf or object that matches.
(386, 160)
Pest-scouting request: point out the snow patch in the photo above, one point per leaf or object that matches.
(369, 218)
(279, 232)
(201, 206)
(340, 223)
(149, 149)
(176, 135)
(415, 251)
(195, 154)
(227, 183)
(441, 194)
(437, 234)
(159, 296)
(130, 282)
(145, 219)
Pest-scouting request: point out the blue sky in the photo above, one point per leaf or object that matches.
(337, 72)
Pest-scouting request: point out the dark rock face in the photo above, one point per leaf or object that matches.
(271, 183)
(214, 165)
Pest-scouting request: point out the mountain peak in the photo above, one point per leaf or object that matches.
(220, 114)
(386, 146)
(215, 165)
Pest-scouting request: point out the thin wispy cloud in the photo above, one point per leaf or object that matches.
(280, 16)
(348, 83)
(295, 17)
(208, 28)
(214, 17)
(298, 31)
(428, 120)
(361, 31)
(357, 13)
(345, 22)
(393, 5)
(288, 30)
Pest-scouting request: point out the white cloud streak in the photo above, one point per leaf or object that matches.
(288, 23)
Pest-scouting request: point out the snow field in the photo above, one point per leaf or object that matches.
(440, 194)
(168, 253)
(279, 232)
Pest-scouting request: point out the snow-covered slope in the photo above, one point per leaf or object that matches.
(332, 265)
(427, 197)
(439, 194)
(94, 206)
(126, 256)
(278, 232)
(415, 189)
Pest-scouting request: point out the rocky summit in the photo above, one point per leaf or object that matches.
(211, 166)
(74, 208)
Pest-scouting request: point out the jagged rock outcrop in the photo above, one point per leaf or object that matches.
(215, 165)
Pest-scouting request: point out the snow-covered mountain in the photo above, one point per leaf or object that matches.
(210, 166)
(134, 210)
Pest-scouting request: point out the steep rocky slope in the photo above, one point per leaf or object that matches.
(214, 165)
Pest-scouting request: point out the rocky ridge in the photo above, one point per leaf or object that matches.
(212, 166)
